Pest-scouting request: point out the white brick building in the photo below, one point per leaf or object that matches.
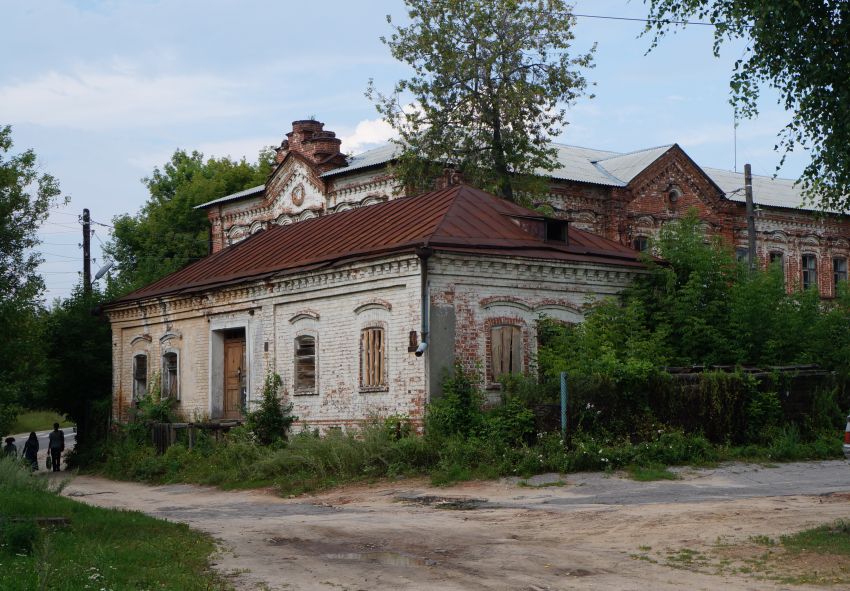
(338, 305)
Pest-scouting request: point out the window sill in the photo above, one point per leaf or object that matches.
(372, 389)
(305, 393)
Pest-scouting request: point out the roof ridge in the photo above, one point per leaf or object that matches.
(633, 152)
(761, 176)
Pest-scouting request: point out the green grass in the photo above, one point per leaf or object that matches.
(38, 420)
(99, 549)
(650, 472)
(831, 539)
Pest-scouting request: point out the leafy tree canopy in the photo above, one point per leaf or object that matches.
(490, 86)
(168, 233)
(26, 195)
(799, 48)
(701, 307)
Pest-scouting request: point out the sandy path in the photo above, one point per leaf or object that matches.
(583, 535)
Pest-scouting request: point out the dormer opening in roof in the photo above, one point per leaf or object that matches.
(557, 230)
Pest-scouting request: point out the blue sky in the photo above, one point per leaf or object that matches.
(105, 91)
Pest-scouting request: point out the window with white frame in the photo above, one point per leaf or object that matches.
(373, 364)
(140, 376)
(839, 270)
(305, 364)
(505, 350)
(170, 376)
(810, 271)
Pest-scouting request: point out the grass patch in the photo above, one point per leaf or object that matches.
(38, 420)
(818, 556)
(833, 539)
(99, 549)
(527, 484)
(650, 472)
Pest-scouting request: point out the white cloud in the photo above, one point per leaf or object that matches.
(117, 97)
(367, 134)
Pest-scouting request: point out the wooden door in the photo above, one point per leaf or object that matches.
(235, 377)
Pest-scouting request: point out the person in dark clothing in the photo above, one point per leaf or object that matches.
(56, 445)
(30, 452)
(10, 450)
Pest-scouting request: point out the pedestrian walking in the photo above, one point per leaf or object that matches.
(10, 450)
(56, 445)
(30, 451)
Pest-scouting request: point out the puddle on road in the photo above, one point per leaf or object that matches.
(450, 503)
(384, 558)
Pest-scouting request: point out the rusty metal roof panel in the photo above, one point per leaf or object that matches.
(459, 216)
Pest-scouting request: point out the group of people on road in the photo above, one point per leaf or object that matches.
(55, 447)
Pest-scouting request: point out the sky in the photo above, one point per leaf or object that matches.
(104, 91)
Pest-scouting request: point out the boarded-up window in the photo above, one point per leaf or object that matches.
(170, 381)
(372, 358)
(505, 350)
(140, 376)
(810, 271)
(305, 364)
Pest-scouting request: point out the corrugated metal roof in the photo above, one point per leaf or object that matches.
(245, 193)
(625, 167)
(459, 217)
(766, 190)
(598, 167)
(576, 164)
(379, 155)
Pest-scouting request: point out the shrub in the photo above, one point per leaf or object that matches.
(19, 537)
(271, 421)
(458, 411)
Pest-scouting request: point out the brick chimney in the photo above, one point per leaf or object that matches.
(309, 138)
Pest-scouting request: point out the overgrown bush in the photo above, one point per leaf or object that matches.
(271, 421)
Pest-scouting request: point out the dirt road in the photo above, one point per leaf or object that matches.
(593, 532)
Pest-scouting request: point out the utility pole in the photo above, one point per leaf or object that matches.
(86, 252)
(751, 217)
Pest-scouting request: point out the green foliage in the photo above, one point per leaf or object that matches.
(458, 411)
(490, 84)
(99, 549)
(26, 195)
(764, 413)
(271, 421)
(19, 537)
(800, 49)
(79, 378)
(153, 407)
(168, 233)
(699, 307)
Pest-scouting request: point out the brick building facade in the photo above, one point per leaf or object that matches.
(622, 197)
(361, 312)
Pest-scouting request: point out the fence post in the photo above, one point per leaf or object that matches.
(564, 405)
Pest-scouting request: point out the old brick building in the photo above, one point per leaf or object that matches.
(340, 305)
(623, 197)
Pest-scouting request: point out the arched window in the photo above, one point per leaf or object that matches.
(305, 364)
(140, 376)
(170, 376)
(373, 364)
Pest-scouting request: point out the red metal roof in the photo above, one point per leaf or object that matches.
(459, 218)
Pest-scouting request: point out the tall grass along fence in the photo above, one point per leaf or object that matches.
(725, 404)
